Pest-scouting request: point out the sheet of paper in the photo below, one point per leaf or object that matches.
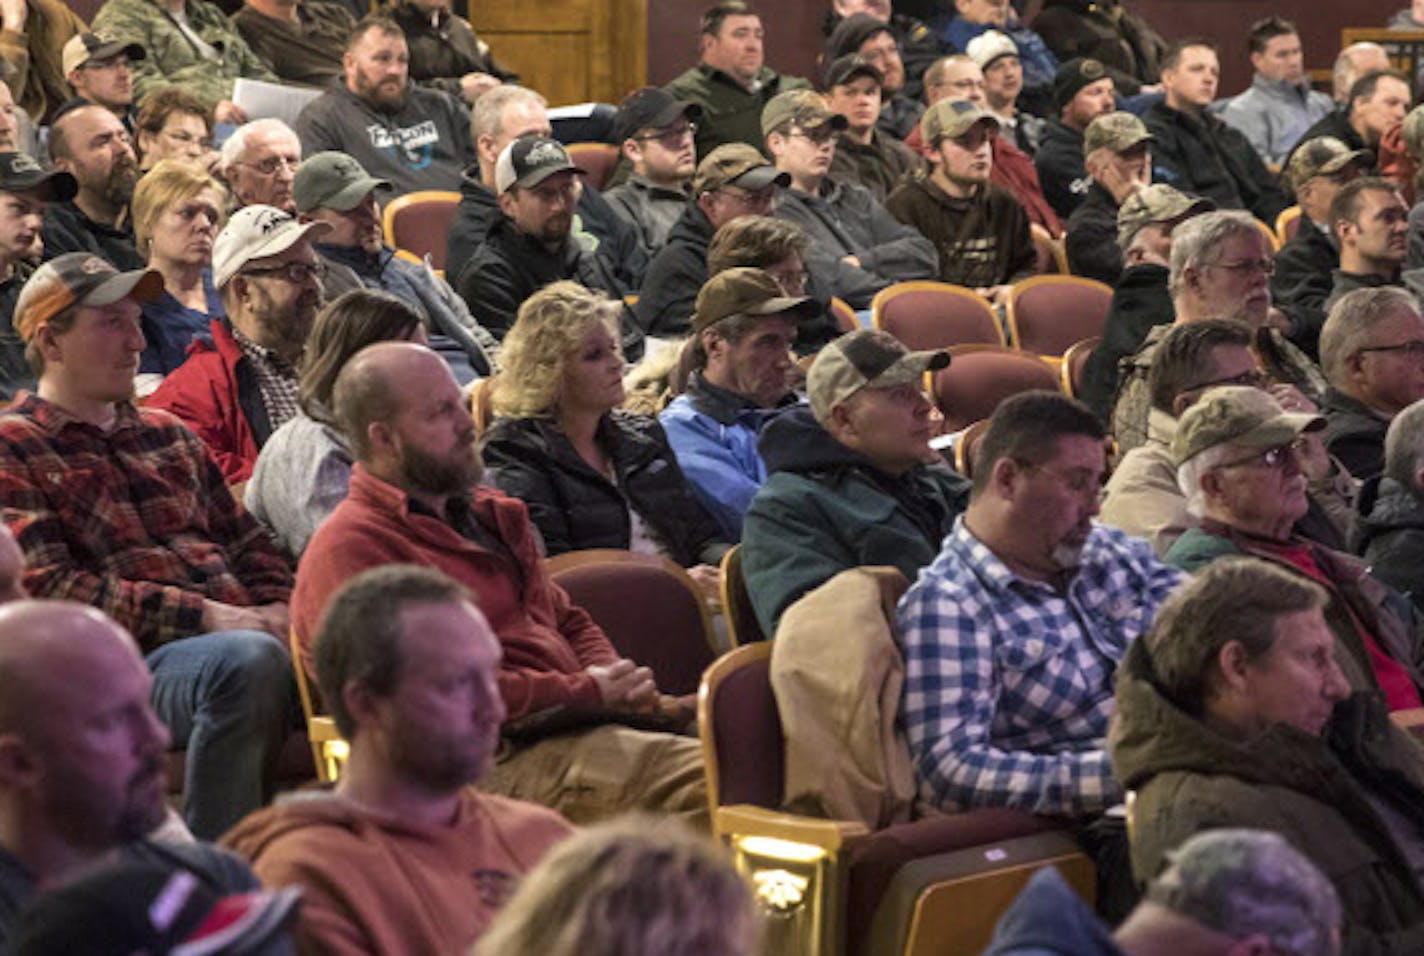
(263, 100)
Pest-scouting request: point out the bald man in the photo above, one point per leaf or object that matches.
(415, 498)
(81, 753)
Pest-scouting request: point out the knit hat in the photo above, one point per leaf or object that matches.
(746, 291)
(852, 32)
(73, 279)
(866, 358)
(1072, 77)
(989, 46)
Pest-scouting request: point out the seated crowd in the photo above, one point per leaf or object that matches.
(247, 443)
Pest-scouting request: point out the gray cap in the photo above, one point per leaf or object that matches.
(1244, 883)
(332, 180)
(1238, 415)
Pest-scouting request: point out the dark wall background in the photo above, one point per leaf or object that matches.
(793, 30)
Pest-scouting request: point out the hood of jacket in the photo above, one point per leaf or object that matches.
(795, 441)
(1385, 505)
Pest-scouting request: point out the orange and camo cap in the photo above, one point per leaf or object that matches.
(78, 278)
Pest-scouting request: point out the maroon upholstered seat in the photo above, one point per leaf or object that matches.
(419, 222)
(597, 159)
(648, 607)
(1047, 314)
(935, 315)
(1075, 360)
(980, 378)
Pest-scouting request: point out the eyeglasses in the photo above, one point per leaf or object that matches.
(1255, 378)
(271, 164)
(1414, 349)
(1274, 457)
(819, 136)
(672, 137)
(761, 199)
(1263, 266)
(295, 271)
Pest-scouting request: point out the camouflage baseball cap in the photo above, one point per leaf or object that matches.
(1156, 203)
(736, 164)
(78, 278)
(1238, 415)
(951, 119)
(867, 358)
(1118, 131)
(1321, 157)
(805, 109)
(746, 291)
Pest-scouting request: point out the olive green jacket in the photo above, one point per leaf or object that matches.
(172, 60)
(730, 112)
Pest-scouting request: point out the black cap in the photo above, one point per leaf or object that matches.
(650, 108)
(19, 173)
(851, 32)
(843, 69)
(528, 161)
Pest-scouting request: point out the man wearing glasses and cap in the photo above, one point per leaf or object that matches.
(655, 133)
(235, 393)
(1238, 456)
(854, 240)
(25, 190)
(733, 180)
(122, 508)
(532, 243)
(979, 229)
(850, 482)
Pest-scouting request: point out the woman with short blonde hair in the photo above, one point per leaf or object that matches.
(177, 212)
(592, 474)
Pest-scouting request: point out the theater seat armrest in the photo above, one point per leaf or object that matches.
(745, 820)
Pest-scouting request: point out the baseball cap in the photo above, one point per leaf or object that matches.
(332, 180)
(1117, 131)
(83, 47)
(20, 173)
(1238, 415)
(736, 164)
(78, 278)
(650, 108)
(1156, 203)
(851, 32)
(846, 68)
(1324, 155)
(949, 119)
(866, 358)
(745, 291)
(806, 109)
(989, 46)
(256, 232)
(528, 161)
(1073, 76)
(142, 907)
(1243, 883)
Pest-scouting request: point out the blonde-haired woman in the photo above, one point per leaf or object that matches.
(177, 211)
(639, 886)
(592, 475)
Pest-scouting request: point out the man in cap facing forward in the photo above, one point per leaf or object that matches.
(979, 230)
(864, 154)
(655, 133)
(850, 482)
(97, 67)
(854, 240)
(238, 391)
(532, 243)
(124, 509)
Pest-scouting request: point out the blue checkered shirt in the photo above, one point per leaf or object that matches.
(1008, 682)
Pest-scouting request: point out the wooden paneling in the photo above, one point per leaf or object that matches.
(570, 50)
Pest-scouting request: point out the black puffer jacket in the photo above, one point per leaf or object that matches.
(575, 507)
(1389, 534)
(617, 242)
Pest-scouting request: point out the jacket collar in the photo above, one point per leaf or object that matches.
(644, 185)
(1279, 89)
(723, 406)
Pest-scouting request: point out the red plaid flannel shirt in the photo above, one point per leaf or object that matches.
(135, 521)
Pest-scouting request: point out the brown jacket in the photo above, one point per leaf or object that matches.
(38, 84)
(377, 884)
